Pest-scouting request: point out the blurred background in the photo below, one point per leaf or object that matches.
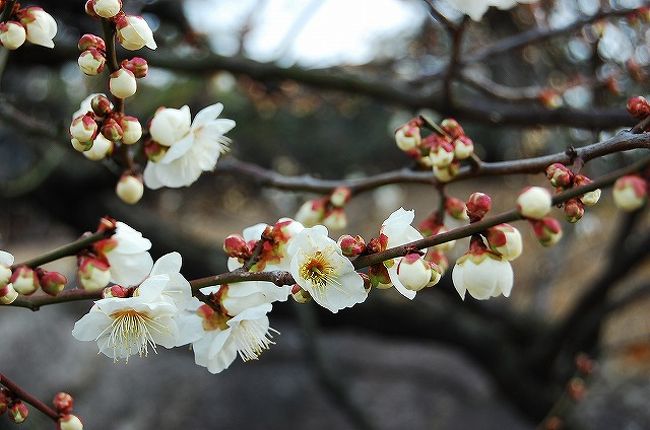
(317, 87)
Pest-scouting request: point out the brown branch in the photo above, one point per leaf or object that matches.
(26, 397)
(454, 62)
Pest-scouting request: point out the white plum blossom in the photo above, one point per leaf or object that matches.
(397, 230)
(127, 253)
(192, 148)
(12, 35)
(166, 278)
(39, 25)
(319, 267)
(505, 240)
(534, 202)
(236, 298)
(7, 291)
(129, 189)
(134, 33)
(100, 148)
(122, 83)
(482, 273)
(477, 8)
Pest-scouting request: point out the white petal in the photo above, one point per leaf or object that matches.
(207, 114)
(6, 259)
(91, 325)
(392, 274)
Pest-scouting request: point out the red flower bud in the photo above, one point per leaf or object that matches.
(352, 246)
(478, 205)
(559, 175)
(638, 107)
(456, 208)
(18, 412)
(88, 41)
(63, 402)
(576, 389)
(574, 210)
(340, 196)
(547, 230)
(112, 130)
(235, 246)
(51, 282)
(138, 66)
(101, 105)
(5, 399)
(452, 128)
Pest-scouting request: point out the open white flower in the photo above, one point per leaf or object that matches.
(165, 277)
(127, 253)
(193, 149)
(397, 230)
(236, 298)
(482, 273)
(319, 267)
(477, 8)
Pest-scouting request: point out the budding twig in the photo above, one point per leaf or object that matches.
(23, 395)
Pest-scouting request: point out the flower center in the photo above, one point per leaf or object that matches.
(131, 333)
(317, 270)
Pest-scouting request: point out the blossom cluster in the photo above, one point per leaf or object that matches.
(30, 24)
(328, 210)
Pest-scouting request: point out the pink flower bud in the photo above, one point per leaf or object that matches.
(235, 246)
(131, 129)
(154, 151)
(478, 205)
(24, 280)
(111, 130)
(63, 402)
(299, 295)
(51, 282)
(5, 399)
(638, 107)
(12, 35)
(101, 105)
(91, 62)
(335, 219)
(137, 65)
(83, 128)
(574, 210)
(379, 277)
(576, 389)
(94, 274)
(88, 41)
(463, 147)
(115, 291)
(547, 230)
(18, 412)
(456, 208)
(505, 240)
(408, 137)
(630, 192)
(90, 10)
(559, 175)
(311, 212)
(452, 128)
(534, 202)
(107, 8)
(340, 196)
(130, 189)
(352, 246)
(70, 422)
(8, 294)
(122, 83)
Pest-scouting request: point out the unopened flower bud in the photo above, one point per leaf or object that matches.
(91, 62)
(553, 423)
(90, 9)
(107, 8)
(137, 65)
(352, 246)
(413, 272)
(134, 33)
(100, 148)
(463, 147)
(122, 83)
(408, 137)
(335, 219)
(70, 422)
(478, 204)
(442, 154)
(112, 130)
(12, 35)
(81, 146)
(630, 192)
(550, 99)
(88, 41)
(456, 208)
(311, 212)
(51, 282)
(559, 175)
(379, 277)
(8, 294)
(590, 198)
(154, 151)
(438, 259)
(505, 240)
(63, 402)
(40, 26)
(574, 210)
(101, 105)
(585, 364)
(638, 107)
(83, 128)
(534, 202)
(446, 174)
(547, 230)
(94, 274)
(18, 412)
(576, 389)
(452, 128)
(115, 291)
(299, 295)
(130, 189)
(5, 399)
(131, 129)
(235, 246)
(340, 196)
(24, 280)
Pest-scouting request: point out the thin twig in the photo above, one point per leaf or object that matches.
(26, 397)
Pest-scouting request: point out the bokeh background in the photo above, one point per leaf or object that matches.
(312, 84)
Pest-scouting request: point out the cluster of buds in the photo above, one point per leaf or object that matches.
(26, 281)
(63, 403)
(630, 192)
(328, 211)
(32, 24)
(638, 107)
(562, 178)
(503, 239)
(16, 410)
(7, 291)
(441, 150)
(92, 60)
(133, 32)
(96, 131)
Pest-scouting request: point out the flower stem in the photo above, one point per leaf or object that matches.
(26, 397)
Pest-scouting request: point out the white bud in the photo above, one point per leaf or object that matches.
(483, 276)
(8, 294)
(591, 198)
(463, 148)
(132, 130)
(100, 149)
(134, 33)
(107, 8)
(413, 272)
(129, 189)
(39, 25)
(81, 146)
(83, 128)
(506, 240)
(408, 137)
(12, 35)
(534, 202)
(441, 157)
(91, 62)
(630, 192)
(122, 83)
